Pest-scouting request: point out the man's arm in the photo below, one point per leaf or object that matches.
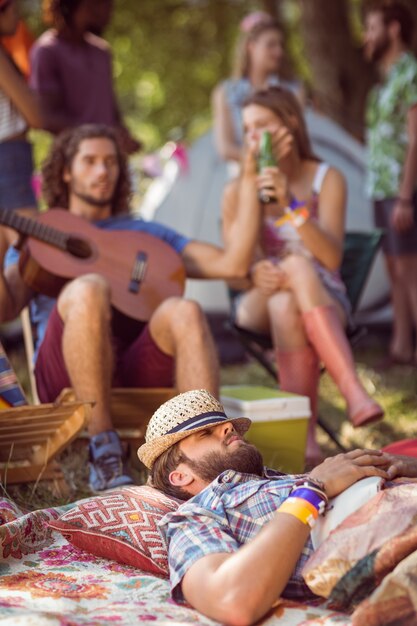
(403, 213)
(14, 294)
(203, 260)
(239, 588)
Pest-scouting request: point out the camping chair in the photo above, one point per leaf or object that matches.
(32, 436)
(358, 255)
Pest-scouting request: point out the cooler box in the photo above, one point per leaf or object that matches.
(279, 423)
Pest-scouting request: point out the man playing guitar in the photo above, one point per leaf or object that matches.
(83, 342)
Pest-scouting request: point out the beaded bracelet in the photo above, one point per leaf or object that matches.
(300, 216)
(295, 204)
(311, 496)
(314, 483)
(296, 217)
(299, 508)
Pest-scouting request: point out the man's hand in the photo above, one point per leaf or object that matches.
(267, 277)
(398, 465)
(402, 218)
(341, 471)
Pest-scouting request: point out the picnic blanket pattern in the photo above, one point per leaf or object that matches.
(46, 581)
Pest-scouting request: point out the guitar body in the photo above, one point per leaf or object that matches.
(114, 255)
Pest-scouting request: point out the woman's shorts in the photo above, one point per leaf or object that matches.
(16, 168)
(395, 243)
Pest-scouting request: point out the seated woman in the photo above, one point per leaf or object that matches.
(295, 292)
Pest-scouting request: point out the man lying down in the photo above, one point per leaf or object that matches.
(242, 536)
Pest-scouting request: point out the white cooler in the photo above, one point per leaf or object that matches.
(279, 423)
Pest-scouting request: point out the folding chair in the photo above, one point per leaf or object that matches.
(359, 252)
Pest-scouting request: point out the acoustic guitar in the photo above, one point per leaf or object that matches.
(141, 269)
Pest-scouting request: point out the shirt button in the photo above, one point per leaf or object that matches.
(227, 477)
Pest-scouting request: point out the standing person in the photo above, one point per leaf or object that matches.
(294, 291)
(391, 120)
(19, 109)
(71, 68)
(240, 542)
(79, 335)
(259, 56)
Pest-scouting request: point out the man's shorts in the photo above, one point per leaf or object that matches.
(139, 363)
(395, 243)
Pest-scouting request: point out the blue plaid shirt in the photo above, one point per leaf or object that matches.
(224, 516)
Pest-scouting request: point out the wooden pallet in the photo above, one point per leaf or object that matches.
(131, 409)
(31, 436)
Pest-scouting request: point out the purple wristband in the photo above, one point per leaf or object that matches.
(311, 496)
(295, 204)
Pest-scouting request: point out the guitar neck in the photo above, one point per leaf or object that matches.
(32, 228)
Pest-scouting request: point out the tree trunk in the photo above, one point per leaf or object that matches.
(341, 78)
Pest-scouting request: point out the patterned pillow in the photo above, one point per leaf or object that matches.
(121, 525)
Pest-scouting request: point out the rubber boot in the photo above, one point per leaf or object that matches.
(326, 334)
(299, 372)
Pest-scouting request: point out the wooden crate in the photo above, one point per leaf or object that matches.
(31, 436)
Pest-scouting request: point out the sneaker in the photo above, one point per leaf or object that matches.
(108, 467)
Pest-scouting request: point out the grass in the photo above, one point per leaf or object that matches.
(395, 389)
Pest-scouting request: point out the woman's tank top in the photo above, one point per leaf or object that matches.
(279, 241)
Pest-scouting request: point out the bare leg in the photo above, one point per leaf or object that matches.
(180, 329)
(84, 306)
(252, 311)
(405, 268)
(402, 282)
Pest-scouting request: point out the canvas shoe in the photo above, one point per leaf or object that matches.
(108, 466)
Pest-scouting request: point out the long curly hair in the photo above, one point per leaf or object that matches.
(55, 190)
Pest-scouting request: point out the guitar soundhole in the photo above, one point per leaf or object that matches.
(78, 247)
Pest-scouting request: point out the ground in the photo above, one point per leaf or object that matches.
(395, 389)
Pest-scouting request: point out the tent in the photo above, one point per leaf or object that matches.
(190, 202)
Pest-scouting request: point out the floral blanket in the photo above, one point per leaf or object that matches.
(45, 581)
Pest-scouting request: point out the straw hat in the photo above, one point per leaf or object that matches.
(182, 416)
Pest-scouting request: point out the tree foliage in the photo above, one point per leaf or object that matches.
(169, 54)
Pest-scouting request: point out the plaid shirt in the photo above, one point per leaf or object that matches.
(224, 516)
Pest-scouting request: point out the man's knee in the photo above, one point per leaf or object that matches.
(183, 315)
(90, 291)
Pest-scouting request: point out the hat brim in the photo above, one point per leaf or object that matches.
(149, 452)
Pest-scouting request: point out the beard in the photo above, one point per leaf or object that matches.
(379, 49)
(99, 202)
(246, 458)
